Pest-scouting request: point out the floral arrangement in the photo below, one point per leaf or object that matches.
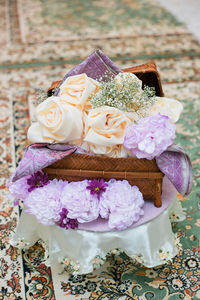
(116, 118)
(94, 115)
(125, 93)
(68, 204)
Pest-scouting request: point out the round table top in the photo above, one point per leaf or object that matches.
(150, 211)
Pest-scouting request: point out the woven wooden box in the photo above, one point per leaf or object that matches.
(141, 172)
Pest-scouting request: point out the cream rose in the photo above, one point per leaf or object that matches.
(130, 78)
(104, 129)
(57, 121)
(168, 107)
(76, 90)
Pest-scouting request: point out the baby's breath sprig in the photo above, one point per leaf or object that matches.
(149, 94)
(124, 94)
(149, 91)
(41, 95)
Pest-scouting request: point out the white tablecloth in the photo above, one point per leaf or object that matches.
(152, 243)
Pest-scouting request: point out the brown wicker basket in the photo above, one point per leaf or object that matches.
(141, 172)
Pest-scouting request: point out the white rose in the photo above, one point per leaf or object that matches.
(76, 90)
(130, 78)
(168, 107)
(104, 129)
(57, 121)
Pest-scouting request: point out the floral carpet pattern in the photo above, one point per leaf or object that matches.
(40, 41)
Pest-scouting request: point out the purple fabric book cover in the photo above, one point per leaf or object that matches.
(96, 66)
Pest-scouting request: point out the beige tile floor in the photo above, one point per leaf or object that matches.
(187, 11)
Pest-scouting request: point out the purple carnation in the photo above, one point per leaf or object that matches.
(79, 202)
(37, 180)
(44, 203)
(150, 137)
(97, 187)
(65, 222)
(121, 204)
(18, 189)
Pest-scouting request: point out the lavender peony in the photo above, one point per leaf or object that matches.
(121, 204)
(150, 137)
(18, 190)
(79, 202)
(44, 203)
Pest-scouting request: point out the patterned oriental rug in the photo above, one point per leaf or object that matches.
(40, 41)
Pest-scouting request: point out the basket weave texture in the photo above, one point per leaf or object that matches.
(143, 173)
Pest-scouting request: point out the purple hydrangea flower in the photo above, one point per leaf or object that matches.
(121, 204)
(150, 137)
(37, 180)
(97, 187)
(66, 222)
(79, 202)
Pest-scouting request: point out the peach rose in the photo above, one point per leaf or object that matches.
(168, 107)
(57, 121)
(104, 130)
(77, 90)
